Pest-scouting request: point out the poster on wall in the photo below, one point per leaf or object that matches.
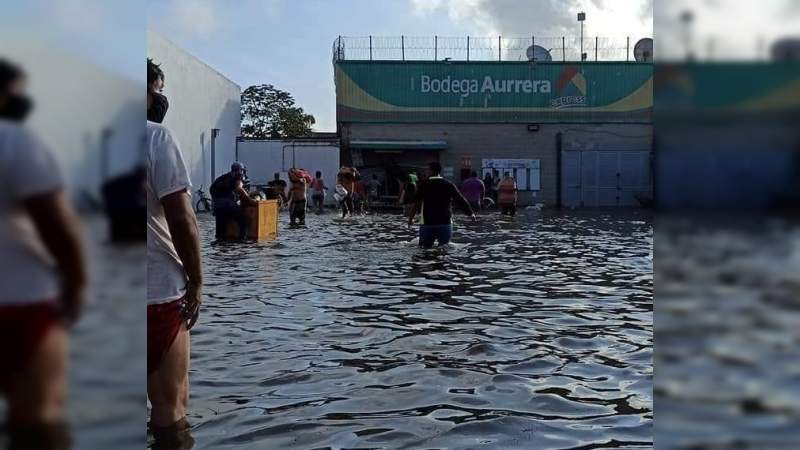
(525, 171)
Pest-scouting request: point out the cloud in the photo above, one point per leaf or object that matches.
(194, 17)
(425, 7)
(545, 17)
(735, 29)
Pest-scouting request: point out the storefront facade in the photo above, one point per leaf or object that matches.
(554, 126)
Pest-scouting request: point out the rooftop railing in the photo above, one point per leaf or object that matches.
(469, 48)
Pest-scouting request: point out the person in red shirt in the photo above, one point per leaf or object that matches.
(318, 189)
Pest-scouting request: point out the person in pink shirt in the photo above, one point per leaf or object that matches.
(474, 190)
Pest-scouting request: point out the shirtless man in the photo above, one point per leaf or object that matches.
(298, 198)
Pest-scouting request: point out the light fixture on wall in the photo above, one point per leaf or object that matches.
(533, 127)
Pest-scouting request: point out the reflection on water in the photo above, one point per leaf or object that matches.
(532, 333)
(728, 329)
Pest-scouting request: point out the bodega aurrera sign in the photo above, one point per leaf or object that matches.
(466, 87)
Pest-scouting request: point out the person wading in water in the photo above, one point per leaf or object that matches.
(174, 274)
(229, 196)
(435, 198)
(507, 195)
(43, 285)
(347, 179)
(318, 196)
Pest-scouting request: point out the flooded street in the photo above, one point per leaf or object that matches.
(728, 333)
(531, 333)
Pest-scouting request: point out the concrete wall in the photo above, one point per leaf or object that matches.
(263, 158)
(200, 99)
(478, 141)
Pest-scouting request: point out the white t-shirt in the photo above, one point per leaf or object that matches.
(27, 168)
(166, 174)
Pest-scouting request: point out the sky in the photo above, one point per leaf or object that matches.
(288, 43)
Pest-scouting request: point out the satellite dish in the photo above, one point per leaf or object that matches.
(786, 50)
(643, 50)
(538, 53)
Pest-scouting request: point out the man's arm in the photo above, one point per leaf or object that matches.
(59, 229)
(462, 202)
(183, 228)
(417, 204)
(244, 196)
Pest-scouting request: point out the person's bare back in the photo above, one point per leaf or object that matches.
(298, 191)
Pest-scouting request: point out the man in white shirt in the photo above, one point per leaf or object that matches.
(174, 273)
(42, 276)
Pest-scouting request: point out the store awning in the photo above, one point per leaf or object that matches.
(399, 145)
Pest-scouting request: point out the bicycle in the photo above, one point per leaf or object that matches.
(203, 204)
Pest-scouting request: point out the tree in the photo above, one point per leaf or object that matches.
(268, 112)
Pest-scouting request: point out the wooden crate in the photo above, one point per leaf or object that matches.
(262, 222)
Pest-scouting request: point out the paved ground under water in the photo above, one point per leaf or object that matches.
(728, 333)
(528, 333)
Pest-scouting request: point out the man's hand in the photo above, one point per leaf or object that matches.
(194, 297)
(58, 226)
(474, 217)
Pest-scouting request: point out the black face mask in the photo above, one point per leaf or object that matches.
(158, 109)
(17, 108)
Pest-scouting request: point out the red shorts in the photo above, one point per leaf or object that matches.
(22, 328)
(163, 323)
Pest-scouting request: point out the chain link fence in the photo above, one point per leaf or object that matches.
(468, 48)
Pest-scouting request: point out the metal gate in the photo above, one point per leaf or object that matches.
(604, 178)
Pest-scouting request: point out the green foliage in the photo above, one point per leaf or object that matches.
(268, 112)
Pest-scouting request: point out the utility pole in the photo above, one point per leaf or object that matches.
(581, 19)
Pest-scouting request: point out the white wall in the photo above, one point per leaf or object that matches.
(265, 157)
(200, 99)
(75, 101)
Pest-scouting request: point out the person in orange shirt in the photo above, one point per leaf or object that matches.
(507, 195)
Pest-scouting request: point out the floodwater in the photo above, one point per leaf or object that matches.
(528, 333)
(728, 333)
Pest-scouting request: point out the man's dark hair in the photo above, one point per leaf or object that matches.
(154, 72)
(435, 167)
(507, 174)
(9, 73)
(474, 174)
(319, 174)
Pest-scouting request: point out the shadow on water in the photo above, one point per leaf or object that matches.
(534, 332)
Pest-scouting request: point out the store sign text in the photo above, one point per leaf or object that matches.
(466, 87)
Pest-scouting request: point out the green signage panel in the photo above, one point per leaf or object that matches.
(441, 91)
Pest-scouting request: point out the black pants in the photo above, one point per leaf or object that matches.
(226, 211)
(347, 205)
(510, 209)
(298, 212)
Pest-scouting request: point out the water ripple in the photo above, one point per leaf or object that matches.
(532, 333)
